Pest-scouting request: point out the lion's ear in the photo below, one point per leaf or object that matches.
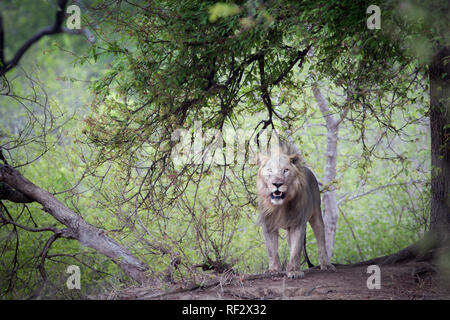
(295, 159)
(261, 158)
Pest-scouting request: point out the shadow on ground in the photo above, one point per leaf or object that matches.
(398, 282)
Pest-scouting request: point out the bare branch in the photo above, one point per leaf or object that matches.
(78, 228)
(353, 233)
(8, 193)
(359, 195)
(50, 30)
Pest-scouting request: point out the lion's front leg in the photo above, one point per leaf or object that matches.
(295, 240)
(271, 238)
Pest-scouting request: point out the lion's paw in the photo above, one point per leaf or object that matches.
(296, 274)
(328, 267)
(273, 271)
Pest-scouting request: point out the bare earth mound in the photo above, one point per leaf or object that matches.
(399, 281)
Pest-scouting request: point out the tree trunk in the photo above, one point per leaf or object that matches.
(440, 144)
(330, 209)
(78, 228)
(436, 241)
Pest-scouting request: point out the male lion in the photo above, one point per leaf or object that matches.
(288, 197)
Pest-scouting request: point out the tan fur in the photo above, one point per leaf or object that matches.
(288, 197)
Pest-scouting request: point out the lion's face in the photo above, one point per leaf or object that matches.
(278, 178)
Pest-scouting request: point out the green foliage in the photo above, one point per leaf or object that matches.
(155, 70)
(222, 10)
(188, 65)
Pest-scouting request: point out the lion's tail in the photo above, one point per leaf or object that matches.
(310, 265)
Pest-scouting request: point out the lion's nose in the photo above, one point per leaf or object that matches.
(277, 185)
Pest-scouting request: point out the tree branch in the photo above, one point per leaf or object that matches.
(53, 29)
(8, 193)
(300, 55)
(43, 255)
(263, 87)
(77, 227)
(359, 195)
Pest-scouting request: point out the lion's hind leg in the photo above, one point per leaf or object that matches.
(318, 227)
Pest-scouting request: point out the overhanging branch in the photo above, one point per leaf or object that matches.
(299, 56)
(53, 29)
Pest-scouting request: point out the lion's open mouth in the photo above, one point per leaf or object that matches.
(277, 195)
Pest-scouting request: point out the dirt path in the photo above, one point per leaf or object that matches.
(397, 282)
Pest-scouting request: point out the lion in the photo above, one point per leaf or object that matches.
(288, 197)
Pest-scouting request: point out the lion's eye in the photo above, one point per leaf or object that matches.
(269, 170)
(285, 170)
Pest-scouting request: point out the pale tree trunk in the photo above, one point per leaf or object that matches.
(330, 208)
(21, 189)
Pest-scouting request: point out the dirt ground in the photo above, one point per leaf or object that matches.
(398, 282)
